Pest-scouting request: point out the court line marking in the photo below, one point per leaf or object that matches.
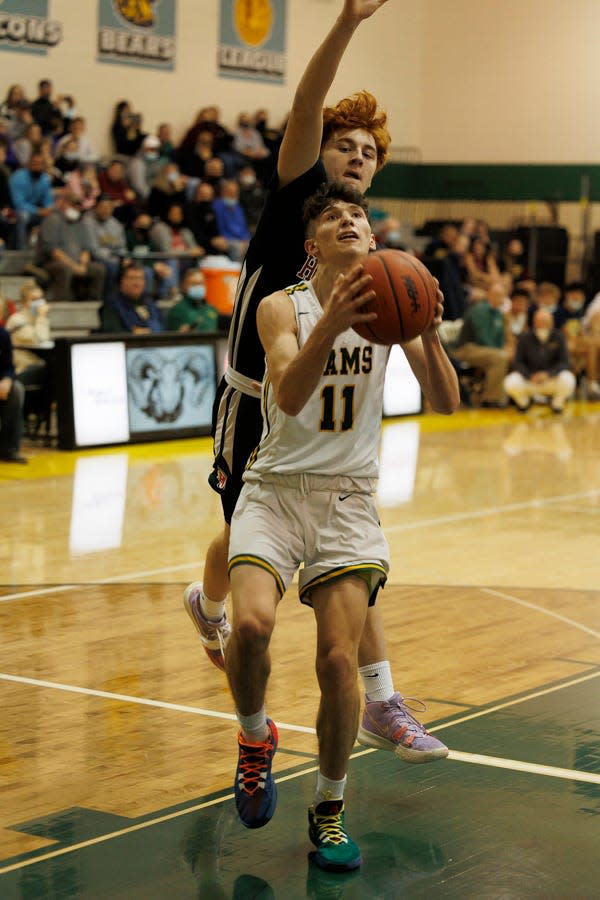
(518, 765)
(197, 564)
(458, 756)
(490, 511)
(542, 609)
(142, 701)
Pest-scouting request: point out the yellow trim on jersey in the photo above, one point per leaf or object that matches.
(248, 560)
(334, 574)
(301, 286)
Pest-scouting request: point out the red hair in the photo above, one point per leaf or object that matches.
(359, 111)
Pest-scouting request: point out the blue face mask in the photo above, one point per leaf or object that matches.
(197, 291)
(229, 201)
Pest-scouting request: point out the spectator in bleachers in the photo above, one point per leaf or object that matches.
(32, 198)
(66, 160)
(252, 150)
(12, 398)
(131, 308)
(252, 196)
(29, 140)
(453, 278)
(513, 262)
(10, 159)
(18, 122)
(144, 167)
(547, 296)
(126, 132)
(83, 182)
(7, 215)
(208, 120)
(29, 325)
(231, 221)
(482, 268)
(168, 188)
(272, 137)
(541, 366)
(14, 95)
(192, 312)
(112, 181)
(517, 315)
(109, 244)
(482, 344)
(214, 174)
(43, 109)
(64, 252)
(193, 158)
(590, 344)
(443, 242)
(200, 215)
(165, 136)
(86, 152)
(171, 236)
(161, 279)
(388, 233)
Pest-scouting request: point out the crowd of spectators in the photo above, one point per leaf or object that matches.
(174, 200)
(529, 342)
(136, 227)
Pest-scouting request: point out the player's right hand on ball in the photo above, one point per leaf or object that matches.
(351, 291)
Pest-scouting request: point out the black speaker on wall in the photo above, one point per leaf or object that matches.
(546, 251)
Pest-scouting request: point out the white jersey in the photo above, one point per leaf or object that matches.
(338, 430)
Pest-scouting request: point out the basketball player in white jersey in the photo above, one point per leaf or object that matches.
(348, 142)
(308, 499)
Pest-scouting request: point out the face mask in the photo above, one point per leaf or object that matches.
(35, 304)
(518, 323)
(35, 176)
(574, 305)
(229, 201)
(150, 157)
(247, 181)
(72, 215)
(551, 309)
(394, 237)
(172, 177)
(542, 334)
(197, 291)
(71, 157)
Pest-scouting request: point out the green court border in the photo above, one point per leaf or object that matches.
(25, 860)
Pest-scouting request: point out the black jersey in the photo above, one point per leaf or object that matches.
(275, 258)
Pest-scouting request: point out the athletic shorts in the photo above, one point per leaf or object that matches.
(236, 431)
(330, 525)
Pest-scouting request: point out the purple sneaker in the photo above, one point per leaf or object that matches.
(213, 635)
(388, 725)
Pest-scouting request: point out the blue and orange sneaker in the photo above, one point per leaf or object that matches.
(336, 852)
(255, 789)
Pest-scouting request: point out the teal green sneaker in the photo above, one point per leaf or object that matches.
(336, 852)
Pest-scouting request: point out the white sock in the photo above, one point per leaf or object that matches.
(210, 610)
(328, 789)
(377, 680)
(254, 727)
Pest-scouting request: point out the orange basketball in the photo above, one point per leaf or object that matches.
(405, 301)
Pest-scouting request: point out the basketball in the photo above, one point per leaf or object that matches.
(405, 301)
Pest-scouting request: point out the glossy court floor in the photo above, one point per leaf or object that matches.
(117, 740)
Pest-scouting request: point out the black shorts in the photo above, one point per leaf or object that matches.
(236, 431)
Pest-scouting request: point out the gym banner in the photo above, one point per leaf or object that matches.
(25, 27)
(137, 33)
(252, 40)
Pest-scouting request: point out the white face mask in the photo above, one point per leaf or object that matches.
(542, 334)
(72, 215)
(517, 323)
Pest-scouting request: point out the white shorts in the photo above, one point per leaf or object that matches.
(328, 524)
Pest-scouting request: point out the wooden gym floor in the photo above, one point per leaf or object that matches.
(117, 739)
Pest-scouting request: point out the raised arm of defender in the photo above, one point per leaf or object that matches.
(302, 140)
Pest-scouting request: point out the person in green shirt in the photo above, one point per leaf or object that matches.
(192, 312)
(482, 344)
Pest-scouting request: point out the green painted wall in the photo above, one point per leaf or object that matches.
(420, 181)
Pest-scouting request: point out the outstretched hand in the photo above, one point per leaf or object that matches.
(362, 9)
